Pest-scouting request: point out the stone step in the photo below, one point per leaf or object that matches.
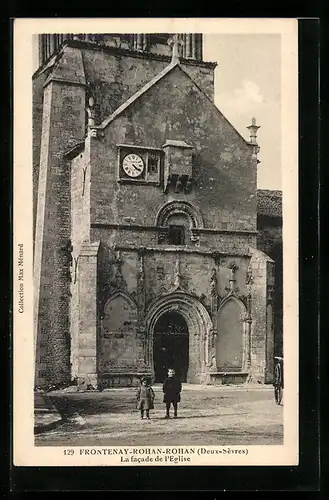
(42, 402)
(45, 413)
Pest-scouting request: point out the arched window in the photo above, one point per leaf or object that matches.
(230, 343)
(179, 222)
(118, 332)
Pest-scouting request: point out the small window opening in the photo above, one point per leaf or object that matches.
(153, 164)
(176, 235)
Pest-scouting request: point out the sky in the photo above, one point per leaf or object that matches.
(248, 84)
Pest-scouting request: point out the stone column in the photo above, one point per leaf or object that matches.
(145, 41)
(139, 42)
(188, 48)
(269, 322)
(247, 361)
(198, 43)
(163, 235)
(41, 49)
(212, 337)
(184, 46)
(141, 282)
(193, 46)
(248, 322)
(261, 327)
(88, 314)
(213, 292)
(141, 297)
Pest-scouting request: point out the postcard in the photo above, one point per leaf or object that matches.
(155, 262)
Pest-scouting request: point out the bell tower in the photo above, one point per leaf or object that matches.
(154, 43)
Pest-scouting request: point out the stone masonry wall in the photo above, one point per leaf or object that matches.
(226, 243)
(41, 278)
(120, 335)
(88, 313)
(37, 109)
(63, 125)
(114, 78)
(269, 240)
(160, 272)
(80, 230)
(162, 269)
(223, 192)
(52, 255)
(270, 321)
(224, 172)
(262, 326)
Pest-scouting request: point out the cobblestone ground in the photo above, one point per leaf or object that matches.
(207, 416)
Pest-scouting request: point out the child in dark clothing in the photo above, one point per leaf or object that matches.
(145, 398)
(172, 388)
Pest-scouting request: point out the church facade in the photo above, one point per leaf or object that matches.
(145, 227)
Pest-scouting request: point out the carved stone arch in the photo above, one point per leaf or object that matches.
(199, 325)
(174, 208)
(232, 343)
(232, 296)
(179, 207)
(119, 329)
(122, 293)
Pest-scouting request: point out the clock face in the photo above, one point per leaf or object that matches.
(133, 165)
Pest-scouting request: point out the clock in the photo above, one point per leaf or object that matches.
(133, 165)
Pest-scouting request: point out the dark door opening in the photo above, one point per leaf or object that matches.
(171, 346)
(176, 235)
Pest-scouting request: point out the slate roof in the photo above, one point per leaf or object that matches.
(269, 203)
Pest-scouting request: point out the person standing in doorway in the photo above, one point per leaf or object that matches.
(172, 388)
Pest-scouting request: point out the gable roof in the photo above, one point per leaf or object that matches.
(137, 94)
(149, 85)
(269, 203)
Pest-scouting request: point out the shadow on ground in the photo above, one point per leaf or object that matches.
(42, 428)
(111, 403)
(205, 417)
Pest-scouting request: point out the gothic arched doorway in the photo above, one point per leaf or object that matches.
(171, 346)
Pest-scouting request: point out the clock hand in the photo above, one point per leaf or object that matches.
(138, 170)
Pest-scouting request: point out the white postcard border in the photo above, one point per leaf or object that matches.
(25, 453)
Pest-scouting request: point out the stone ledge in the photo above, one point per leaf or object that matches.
(179, 249)
(228, 373)
(89, 249)
(119, 51)
(199, 230)
(125, 373)
(226, 378)
(133, 53)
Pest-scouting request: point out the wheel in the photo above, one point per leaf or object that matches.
(278, 392)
